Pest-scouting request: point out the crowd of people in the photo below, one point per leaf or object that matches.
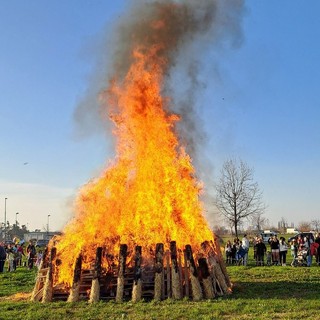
(302, 250)
(13, 254)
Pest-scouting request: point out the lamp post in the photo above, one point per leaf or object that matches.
(17, 219)
(5, 218)
(48, 226)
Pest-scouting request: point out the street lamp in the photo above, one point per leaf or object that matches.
(17, 219)
(48, 226)
(5, 218)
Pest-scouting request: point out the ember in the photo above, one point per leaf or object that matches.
(139, 230)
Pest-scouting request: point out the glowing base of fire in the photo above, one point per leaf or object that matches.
(171, 274)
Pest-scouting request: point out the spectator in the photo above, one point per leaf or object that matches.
(39, 259)
(294, 253)
(274, 245)
(3, 256)
(228, 250)
(317, 240)
(31, 252)
(10, 258)
(283, 249)
(260, 251)
(20, 254)
(245, 246)
(234, 251)
(307, 246)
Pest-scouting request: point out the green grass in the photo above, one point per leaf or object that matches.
(259, 293)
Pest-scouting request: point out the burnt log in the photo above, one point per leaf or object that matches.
(158, 280)
(75, 288)
(175, 274)
(121, 272)
(137, 283)
(195, 283)
(206, 278)
(48, 286)
(95, 285)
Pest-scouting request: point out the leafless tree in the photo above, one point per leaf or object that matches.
(315, 225)
(258, 221)
(238, 196)
(304, 226)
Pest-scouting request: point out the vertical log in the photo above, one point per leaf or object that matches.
(48, 286)
(39, 281)
(121, 272)
(195, 284)
(137, 283)
(169, 294)
(75, 288)
(206, 278)
(181, 273)
(176, 289)
(216, 271)
(158, 281)
(186, 275)
(95, 285)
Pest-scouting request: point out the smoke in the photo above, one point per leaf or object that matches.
(191, 35)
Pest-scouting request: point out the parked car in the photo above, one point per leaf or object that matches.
(42, 243)
(303, 234)
(267, 235)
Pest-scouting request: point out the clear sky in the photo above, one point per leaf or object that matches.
(262, 105)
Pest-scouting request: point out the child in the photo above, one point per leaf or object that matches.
(39, 259)
(269, 258)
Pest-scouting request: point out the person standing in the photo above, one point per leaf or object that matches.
(307, 246)
(3, 256)
(260, 252)
(245, 246)
(274, 245)
(283, 249)
(317, 240)
(31, 251)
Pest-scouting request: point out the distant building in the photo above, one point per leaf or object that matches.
(292, 230)
(39, 235)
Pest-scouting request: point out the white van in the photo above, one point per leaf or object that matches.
(267, 235)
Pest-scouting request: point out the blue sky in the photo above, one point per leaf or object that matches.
(261, 105)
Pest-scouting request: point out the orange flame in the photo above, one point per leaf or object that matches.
(149, 193)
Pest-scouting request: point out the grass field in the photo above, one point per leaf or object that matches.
(259, 293)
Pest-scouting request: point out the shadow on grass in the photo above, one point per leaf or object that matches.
(275, 290)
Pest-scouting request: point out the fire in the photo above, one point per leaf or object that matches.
(149, 193)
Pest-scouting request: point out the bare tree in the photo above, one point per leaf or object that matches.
(316, 224)
(238, 196)
(304, 226)
(258, 221)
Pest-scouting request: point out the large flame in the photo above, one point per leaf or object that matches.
(149, 194)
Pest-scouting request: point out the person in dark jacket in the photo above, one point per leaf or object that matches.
(3, 256)
(260, 252)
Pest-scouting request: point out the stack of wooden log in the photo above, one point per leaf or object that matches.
(172, 274)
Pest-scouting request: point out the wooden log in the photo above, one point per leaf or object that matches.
(186, 275)
(35, 296)
(75, 288)
(195, 283)
(206, 278)
(180, 272)
(137, 283)
(175, 275)
(215, 263)
(121, 272)
(48, 286)
(168, 275)
(95, 285)
(158, 280)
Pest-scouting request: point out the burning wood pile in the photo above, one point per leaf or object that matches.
(139, 231)
(165, 274)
